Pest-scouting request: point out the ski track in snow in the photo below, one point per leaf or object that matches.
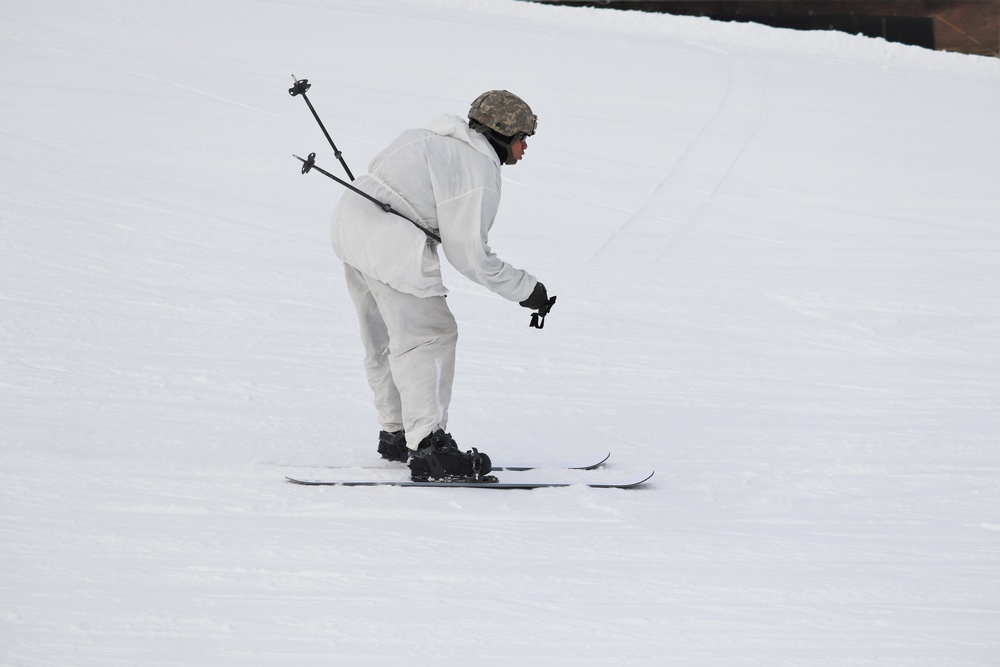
(776, 259)
(702, 168)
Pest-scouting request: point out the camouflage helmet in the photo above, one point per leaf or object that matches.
(503, 112)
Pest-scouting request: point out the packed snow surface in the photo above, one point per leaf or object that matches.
(777, 257)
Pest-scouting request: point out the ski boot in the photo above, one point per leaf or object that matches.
(438, 459)
(392, 446)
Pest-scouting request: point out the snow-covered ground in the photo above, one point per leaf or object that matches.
(777, 257)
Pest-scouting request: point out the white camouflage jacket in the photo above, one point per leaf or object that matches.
(447, 179)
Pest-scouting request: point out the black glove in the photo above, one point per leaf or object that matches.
(539, 297)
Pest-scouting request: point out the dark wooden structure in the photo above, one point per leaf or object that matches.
(965, 26)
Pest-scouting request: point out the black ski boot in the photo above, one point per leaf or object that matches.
(438, 459)
(392, 446)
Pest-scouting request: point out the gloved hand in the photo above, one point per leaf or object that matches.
(539, 297)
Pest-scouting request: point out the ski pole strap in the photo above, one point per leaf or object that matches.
(300, 88)
(308, 164)
(538, 318)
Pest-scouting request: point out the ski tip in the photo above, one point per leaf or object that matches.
(599, 463)
(308, 482)
(639, 479)
(591, 463)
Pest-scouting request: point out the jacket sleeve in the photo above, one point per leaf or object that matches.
(464, 223)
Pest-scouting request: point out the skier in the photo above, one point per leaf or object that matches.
(445, 178)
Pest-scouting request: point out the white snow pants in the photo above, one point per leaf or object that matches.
(409, 355)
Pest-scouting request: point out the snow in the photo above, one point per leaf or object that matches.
(776, 256)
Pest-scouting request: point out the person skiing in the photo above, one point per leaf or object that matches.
(446, 180)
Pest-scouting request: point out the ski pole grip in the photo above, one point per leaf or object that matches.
(538, 318)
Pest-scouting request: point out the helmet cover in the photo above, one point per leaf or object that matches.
(504, 112)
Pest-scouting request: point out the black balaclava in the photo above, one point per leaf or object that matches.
(502, 144)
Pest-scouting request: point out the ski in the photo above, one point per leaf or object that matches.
(582, 463)
(507, 479)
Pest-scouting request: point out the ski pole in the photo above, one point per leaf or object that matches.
(308, 164)
(300, 88)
